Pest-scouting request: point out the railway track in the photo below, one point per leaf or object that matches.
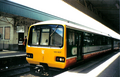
(23, 70)
(15, 70)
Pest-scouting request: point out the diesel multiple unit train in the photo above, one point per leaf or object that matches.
(59, 44)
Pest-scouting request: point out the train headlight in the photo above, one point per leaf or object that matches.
(29, 55)
(60, 59)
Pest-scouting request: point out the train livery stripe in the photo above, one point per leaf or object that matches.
(70, 61)
(71, 57)
(87, 56)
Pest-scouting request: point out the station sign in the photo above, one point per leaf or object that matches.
(20, 29)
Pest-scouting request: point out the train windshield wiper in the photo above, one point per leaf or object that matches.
(54, 31)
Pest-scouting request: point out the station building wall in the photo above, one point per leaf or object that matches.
(6, 30)
(10, 33)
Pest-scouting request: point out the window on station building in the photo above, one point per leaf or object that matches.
(1, 32)
(7, 33)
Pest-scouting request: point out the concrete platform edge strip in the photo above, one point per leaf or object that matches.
(13, 56)
(94, 73)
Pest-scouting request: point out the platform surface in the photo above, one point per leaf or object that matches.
(106, 66)
(7, 53)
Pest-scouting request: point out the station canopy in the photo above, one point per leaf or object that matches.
(43, 10)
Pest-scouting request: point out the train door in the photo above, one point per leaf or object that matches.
(79, 45)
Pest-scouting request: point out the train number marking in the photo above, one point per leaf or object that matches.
(57, 51)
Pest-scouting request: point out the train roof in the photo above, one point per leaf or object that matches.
(78, 27)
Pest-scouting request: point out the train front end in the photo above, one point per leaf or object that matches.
(46, 46)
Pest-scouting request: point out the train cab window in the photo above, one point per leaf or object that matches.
(44, 36)
(56, 37)
(35, 36)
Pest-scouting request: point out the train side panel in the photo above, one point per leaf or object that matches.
(116, 44)
(91, 45)
(91, 51)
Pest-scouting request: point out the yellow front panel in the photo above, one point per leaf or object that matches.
(48, 54)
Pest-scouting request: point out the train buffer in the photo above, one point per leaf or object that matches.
(107, 66)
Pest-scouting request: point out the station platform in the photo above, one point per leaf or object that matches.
(105, 66)
(8, 54)
(11, 60)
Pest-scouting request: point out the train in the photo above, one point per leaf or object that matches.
(60, 44)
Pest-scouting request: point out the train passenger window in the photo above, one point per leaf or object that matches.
(87, 39)
(109, 41)
(97, 40)
(92, 39)
(104, 40)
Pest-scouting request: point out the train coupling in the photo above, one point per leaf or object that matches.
(40, 69)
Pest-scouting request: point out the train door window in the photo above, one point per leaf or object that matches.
(71, 38)
(92, 39)
(35, 36)
(79, 39)
(44, 37)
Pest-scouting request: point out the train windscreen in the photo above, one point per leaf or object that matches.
(46, 35)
